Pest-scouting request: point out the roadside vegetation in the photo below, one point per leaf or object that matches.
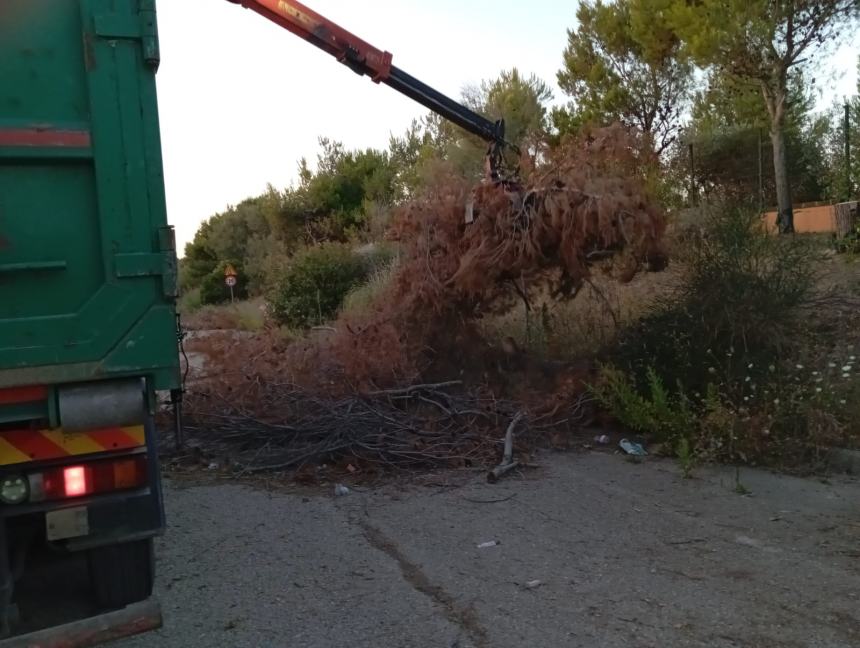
(362, 276)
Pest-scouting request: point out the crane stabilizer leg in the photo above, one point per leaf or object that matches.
(365, 59)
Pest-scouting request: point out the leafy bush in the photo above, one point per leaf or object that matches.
(725, 368)
(658, 413)
(315, 284)
(850, 243)
(737, 310)
(214, 290)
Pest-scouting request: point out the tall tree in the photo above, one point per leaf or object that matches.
(762, 42)
(518, 98)
(622, 64)
(842, 172)
(841, 175)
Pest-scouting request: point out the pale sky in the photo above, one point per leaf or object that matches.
(241, 100)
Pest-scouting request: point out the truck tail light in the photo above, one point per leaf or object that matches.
(75, 481)
(93, 478)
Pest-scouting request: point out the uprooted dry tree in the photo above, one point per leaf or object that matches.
(471, 250)
(465, 251)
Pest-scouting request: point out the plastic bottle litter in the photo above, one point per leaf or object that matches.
(634, 449)
(534, 584)
(340, 490)
(488, 545)
(603, 439)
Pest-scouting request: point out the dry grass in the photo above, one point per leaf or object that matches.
(360, 300)
(247, 315)
(581, 328)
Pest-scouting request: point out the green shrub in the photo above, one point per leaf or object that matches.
(737, 311)
(314, 285)
(658, 413)
(787, 418)
(214, 290)
(850, 243)
(726, 368)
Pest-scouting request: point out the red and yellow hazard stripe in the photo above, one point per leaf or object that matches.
(24, 446)
(15, 395)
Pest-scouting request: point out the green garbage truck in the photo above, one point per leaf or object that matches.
(88, 331)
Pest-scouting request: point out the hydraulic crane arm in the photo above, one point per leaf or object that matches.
(365, 59)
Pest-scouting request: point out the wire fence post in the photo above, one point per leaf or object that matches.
(760, 171)
(848, 188)
(693, 200)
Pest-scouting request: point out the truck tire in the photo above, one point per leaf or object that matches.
(122, 574)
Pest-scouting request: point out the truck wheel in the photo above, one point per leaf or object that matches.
(122, 574)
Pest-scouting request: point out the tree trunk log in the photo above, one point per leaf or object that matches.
(785, 212)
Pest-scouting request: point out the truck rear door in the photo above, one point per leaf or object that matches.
(87, 261)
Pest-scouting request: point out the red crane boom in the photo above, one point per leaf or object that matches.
(365, 59)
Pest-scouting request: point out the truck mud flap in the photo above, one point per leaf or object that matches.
(132, 620)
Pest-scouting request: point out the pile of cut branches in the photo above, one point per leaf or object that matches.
(432, 425)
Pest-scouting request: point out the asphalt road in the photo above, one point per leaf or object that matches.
(592, 551)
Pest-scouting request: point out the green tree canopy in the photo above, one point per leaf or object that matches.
(522, 101)
(622, 63)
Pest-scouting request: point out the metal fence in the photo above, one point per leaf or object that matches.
(741, 162)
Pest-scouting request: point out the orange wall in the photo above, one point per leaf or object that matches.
(808, 219)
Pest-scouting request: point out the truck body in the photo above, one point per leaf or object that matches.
(88, 331)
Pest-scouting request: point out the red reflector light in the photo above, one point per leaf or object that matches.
(93, 478)
(75, 481)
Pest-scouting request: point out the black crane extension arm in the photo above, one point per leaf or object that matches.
(364, 59)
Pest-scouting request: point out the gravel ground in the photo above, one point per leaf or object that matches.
(592, 551)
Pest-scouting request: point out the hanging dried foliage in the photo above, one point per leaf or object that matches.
(466, 251)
